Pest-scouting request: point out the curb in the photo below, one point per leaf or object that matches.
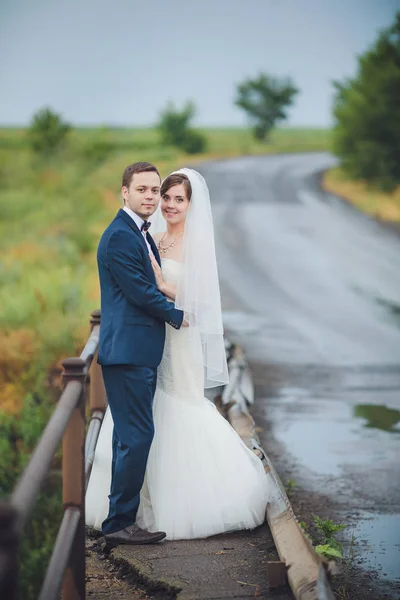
(307, 572)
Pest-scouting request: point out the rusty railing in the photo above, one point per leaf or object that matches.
(67, 425)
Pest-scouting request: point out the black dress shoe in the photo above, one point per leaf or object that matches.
(133, 536)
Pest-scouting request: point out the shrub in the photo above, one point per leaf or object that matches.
(174, 126)
(47, 132)
(18, 436)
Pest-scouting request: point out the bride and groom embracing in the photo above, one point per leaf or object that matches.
(172, 465)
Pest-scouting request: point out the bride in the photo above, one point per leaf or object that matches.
(201, 479)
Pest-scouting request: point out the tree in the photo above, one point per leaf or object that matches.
(47, 131)
(367, 114)
(265, 99)
(175, 129)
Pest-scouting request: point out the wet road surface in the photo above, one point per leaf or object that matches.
(311, 289)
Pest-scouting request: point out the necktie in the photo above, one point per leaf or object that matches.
(145, 227)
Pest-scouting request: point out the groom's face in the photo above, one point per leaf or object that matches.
(143, 194)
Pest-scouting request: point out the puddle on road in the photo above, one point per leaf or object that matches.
(377, 544)
(393, 309)
(320, 448)
(335, 439)
(326, 436)
(379, 417)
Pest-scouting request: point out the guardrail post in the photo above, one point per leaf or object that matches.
(97, 391)
(74, 482)
(8, 552)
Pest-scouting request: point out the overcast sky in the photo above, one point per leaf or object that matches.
(119, 62)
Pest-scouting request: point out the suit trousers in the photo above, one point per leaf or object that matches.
(130, 392)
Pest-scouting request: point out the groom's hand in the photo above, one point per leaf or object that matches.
(188, 319)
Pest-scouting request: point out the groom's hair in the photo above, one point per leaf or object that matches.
(138, 167)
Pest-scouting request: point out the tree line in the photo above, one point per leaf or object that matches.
(366, 110)
(264, 99)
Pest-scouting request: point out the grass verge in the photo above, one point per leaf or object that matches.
(385, 206)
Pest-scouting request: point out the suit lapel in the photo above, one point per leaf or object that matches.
(124, 215)
(121, 213)
(154, 248)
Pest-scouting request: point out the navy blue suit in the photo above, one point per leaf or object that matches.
(132, 336)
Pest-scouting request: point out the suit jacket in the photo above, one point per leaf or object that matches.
(133, 310)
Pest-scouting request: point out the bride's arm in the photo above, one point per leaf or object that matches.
(168, 290)
(165, 288)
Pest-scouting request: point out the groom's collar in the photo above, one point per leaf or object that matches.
(136, 228)
(129, 221)
(138, 220)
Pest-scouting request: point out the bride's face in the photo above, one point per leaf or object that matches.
(175, 204)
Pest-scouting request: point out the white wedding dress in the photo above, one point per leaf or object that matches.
(201, 479)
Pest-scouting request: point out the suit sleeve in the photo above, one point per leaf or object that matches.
(126, 266)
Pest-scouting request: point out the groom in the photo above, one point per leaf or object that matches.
(132, 335)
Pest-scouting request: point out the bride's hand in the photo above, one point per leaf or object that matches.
(157, 272)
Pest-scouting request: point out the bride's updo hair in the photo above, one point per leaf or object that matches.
(176, 179)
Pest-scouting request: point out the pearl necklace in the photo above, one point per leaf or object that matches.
(164, 249)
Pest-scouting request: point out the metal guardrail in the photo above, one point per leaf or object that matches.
(66, 569)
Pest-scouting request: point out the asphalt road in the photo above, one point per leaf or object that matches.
(311, 289)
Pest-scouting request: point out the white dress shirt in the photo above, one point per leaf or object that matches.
(139, 222)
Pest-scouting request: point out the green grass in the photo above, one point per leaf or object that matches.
(221, 142)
